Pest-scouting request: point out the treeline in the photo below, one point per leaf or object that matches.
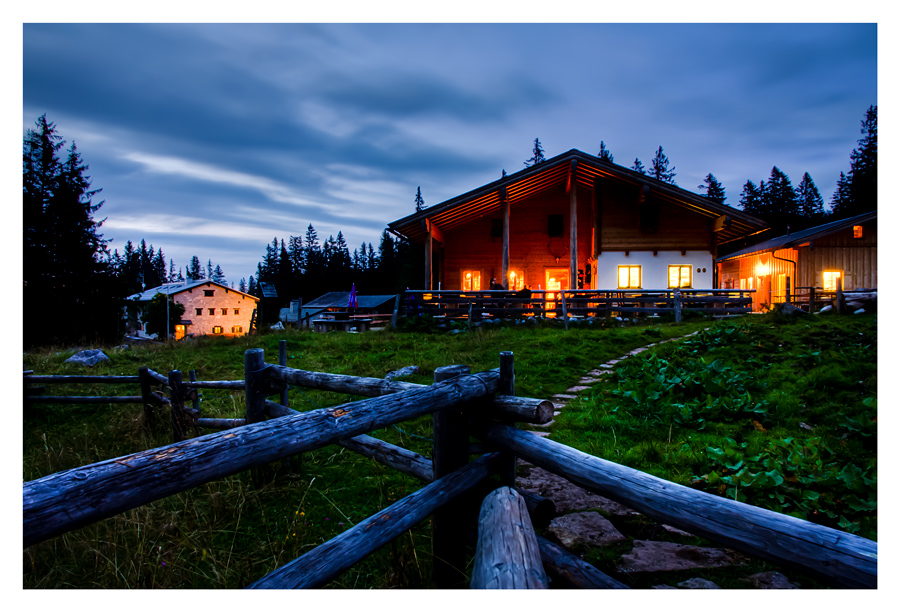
(143, 268)
(301, 267)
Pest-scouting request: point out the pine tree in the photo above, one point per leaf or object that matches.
(638, 166)
(218, 275)
(252, 289)
(751, 199)
(841, 197)
(659, 168)
(714, 189)
(537, 154)
(781, 208)
(810, 202)
(171, 277)
(209, 269)
(604, 153)
(420, 202)
(195, 272)
(242, 286)
(860, 193)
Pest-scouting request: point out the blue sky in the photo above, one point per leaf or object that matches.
(211, 140)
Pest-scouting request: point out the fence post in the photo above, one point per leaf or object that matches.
(812, 300)
(565, 316)
(144, 378)
(195, 395)
(396, 311)
(178, 428)
(507, 461)
(677, 297)
(255, 398)
(449, 454)
(282, 361)
(839, 295)
(300, 315)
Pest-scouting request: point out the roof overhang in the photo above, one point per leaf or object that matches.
(728, 223)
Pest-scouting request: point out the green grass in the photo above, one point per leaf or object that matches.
(229, 533)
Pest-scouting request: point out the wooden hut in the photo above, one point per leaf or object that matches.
(782, 268)
(574, 222)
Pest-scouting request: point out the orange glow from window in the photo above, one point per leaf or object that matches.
(857, 231)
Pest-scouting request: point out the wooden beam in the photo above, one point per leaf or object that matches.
(579, 573)
(504, 264)
(844, 559)
(721, 222)
(507, 555)
(596, 220)
(573, 225)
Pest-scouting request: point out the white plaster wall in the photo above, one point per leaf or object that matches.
(223, 298)
(654, 268)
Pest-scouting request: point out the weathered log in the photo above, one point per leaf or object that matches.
(179, 423)
(82, 379)
(541, 509)
(84, 399)
(523, 409)
(328, 560)
(507, 555)
(234, 385)
(159, 378)
(275, 410)
(60, 502)
(220, 423)
(160, 399)
(560, 563)
(401, 459)
(282, 361)
(844, 559)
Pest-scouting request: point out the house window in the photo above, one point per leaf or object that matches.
(217, 329)
(208, 292)
(554, 225)
(629, 277)
(679, 277)
(471, 280)
(781, 289)
(237, 311)
(224, 311)
(516, 280)
(236, 329)
(198, 312)
(212, 311)
(857, 231)
(830, 279)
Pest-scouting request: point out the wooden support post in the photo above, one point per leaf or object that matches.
(396, 311)
(677, 298)
(178, 428)
(565, 312)
(195, 397)
(146, 396)
(507, 555)
(469, 320)
(255, 398)
(573, 226)
(282, 361)
(449, 454)
(300, 314)
(507, 387)
(504, 263)
(839, 305)
(429, 255)
(812, 300)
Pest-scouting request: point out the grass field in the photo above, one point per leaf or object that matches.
(720, 411)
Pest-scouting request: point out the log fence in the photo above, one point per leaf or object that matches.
(464, 407)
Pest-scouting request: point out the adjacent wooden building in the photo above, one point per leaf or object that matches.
(574, 222)
(818, 257)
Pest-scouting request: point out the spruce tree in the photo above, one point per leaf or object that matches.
(751, 200)
(860, 193)
(420, 202)
(714, 189)
(195, 272)
(810, 202)
(537, 154)
(604, 153)
(242, 286)
(659, 168)
(638, 166)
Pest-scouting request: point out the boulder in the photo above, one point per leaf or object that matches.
(698, 583)
(650, 556)
(90, 357)
(583, 529)
(770, 580)
(568, 496)
(789, 309)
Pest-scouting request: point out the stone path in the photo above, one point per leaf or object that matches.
(588, 521)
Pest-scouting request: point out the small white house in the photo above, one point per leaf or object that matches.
(210, 308)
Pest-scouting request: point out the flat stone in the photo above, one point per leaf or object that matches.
(557, 407)
(676, 531)
(589, 381)
(770, 580)
(542, 434)
(584, 529)
(698, 583)
(637, 351)
(564, 396)
(577, 389)
(568, 496)
(650, 556)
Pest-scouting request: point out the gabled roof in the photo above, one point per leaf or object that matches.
(180, 287)
(801, 237)
(487, 199)
(341, 299)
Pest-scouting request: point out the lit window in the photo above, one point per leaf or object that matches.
(208, 292)
(857, 231)
(629, 277)
(679, 277)
(236, 329)
(212, 311)
(471, 280)
(217, 329)
(830, 279)
(224, 311)
(237, 311)
(198, 312)
(516, 280)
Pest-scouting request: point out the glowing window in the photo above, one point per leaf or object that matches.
(679, 276)
(217, 329)
(516, 280)
(236, 329)
(471, 280)
(629, 277)
(857, 231)
(830, 279)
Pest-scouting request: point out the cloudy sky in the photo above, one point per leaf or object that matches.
(211, 140)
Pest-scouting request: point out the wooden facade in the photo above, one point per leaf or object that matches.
(574, 222)
(815, 257)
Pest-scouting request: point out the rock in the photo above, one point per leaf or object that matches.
(277, 327)
(675, 531)
(583, 529)
(568, 496)
(402, 372)
(860, 311)
(698, 583)
(664, 586)
(650, 556)
(790, 309)
(826, 308)
(89, 357)
(770, 580)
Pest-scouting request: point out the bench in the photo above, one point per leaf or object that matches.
(324, 325)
